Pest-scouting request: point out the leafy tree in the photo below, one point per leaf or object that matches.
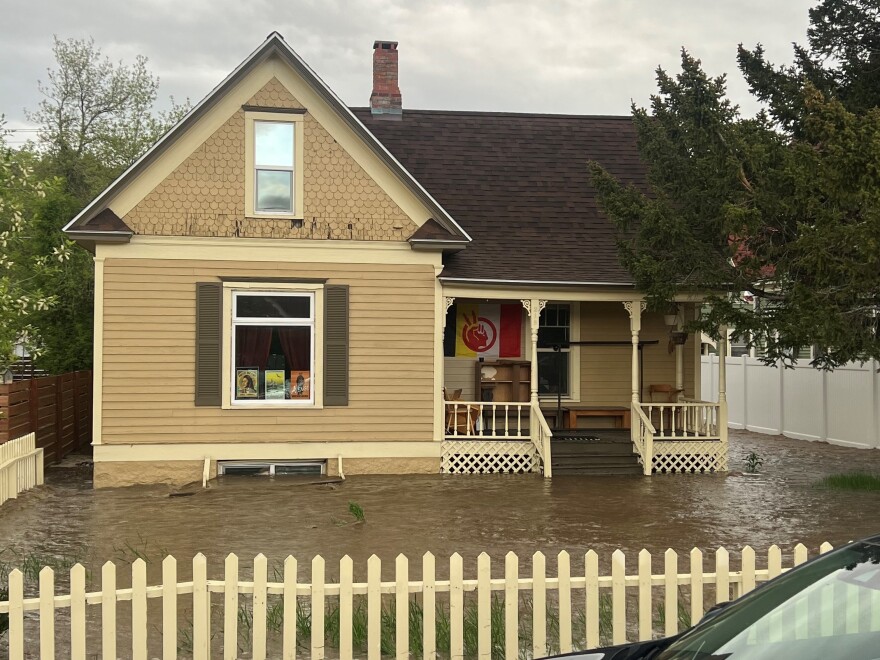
(97, 117)
(22, 271)
(784, 206)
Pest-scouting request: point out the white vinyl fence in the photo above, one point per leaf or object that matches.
(21, 466)
(841, 406)
(256, 612)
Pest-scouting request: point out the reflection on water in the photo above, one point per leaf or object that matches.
(445, 514)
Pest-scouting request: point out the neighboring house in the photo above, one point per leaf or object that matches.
(287, 284)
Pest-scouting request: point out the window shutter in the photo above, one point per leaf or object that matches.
(209, 333)
(336, 345)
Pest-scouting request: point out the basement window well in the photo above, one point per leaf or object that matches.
(270, 469)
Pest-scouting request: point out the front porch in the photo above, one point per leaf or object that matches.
(579, 388)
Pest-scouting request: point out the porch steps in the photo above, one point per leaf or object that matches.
(593, 454)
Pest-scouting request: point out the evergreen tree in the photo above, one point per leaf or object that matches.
(784, 206)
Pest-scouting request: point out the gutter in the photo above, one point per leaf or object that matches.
(474, 280)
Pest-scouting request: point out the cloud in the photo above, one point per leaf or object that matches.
(565, 56)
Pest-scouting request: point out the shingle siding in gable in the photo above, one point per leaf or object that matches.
(204, 196)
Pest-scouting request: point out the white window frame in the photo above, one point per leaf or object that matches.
(251, 166)
(574, 353)
(315, 292)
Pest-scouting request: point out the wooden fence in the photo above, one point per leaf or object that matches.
(57, 409)
(499, 614)
(21, 467)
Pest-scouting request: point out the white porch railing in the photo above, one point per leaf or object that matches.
(483, 437)
(481, 419)
(21, 466)
(686, 436)
(643, 438)
(541, 436)
(684, 420)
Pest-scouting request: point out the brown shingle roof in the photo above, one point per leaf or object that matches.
(519, 185)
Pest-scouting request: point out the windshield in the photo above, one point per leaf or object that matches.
(829, 608)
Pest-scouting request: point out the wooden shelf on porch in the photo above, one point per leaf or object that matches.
(511, 383)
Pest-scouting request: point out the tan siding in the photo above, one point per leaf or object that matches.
(149, 356)
(459, 374)
(205, 195)
(606, 370)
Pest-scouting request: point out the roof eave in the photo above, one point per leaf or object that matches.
(98, 235)
(530, 283)
(433, 245)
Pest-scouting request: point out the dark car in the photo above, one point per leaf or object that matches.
(826, 609)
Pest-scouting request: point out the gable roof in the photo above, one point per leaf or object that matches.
(519, 185)
(273, 45)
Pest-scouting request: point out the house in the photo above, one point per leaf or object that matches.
(286, 284)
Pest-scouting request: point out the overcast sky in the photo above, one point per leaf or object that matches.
(556, 56)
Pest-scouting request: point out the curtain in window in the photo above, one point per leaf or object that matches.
(252, 345)
(296, 345)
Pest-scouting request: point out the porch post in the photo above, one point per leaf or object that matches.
(679, 363)
(533, 308)
(722, 390)
(635, 309)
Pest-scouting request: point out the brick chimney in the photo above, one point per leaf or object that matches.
(385, 100)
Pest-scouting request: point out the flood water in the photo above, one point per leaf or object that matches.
(452, 513)
(67, 521)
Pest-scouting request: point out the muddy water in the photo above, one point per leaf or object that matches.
(445, 514)
(67, 520)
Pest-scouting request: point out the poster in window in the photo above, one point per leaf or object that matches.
(247, 381)
(300, 384)
(274, 383)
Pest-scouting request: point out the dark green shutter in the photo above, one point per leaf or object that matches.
(209, 334)
(336, 345)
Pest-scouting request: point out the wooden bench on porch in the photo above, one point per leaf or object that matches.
(572, 411)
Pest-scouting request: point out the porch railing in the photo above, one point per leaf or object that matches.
(687, 436)
(643, 438)
(482, 421)
(541, 436)
(684, 420)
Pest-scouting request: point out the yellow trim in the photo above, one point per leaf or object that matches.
(257, 249)
(439, 364)
(554, 294)
(263, 451)
(560, 294)
(98, 352)
(298, 163)
(317, 374)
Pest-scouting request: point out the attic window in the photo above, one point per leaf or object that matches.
(273, 164)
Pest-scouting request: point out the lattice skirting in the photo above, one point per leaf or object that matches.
(691, 456)
(488, 457)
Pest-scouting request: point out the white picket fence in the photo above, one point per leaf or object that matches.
(504, 614)
(841, 407)
(21, 466)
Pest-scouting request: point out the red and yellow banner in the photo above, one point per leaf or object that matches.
(492, 331)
